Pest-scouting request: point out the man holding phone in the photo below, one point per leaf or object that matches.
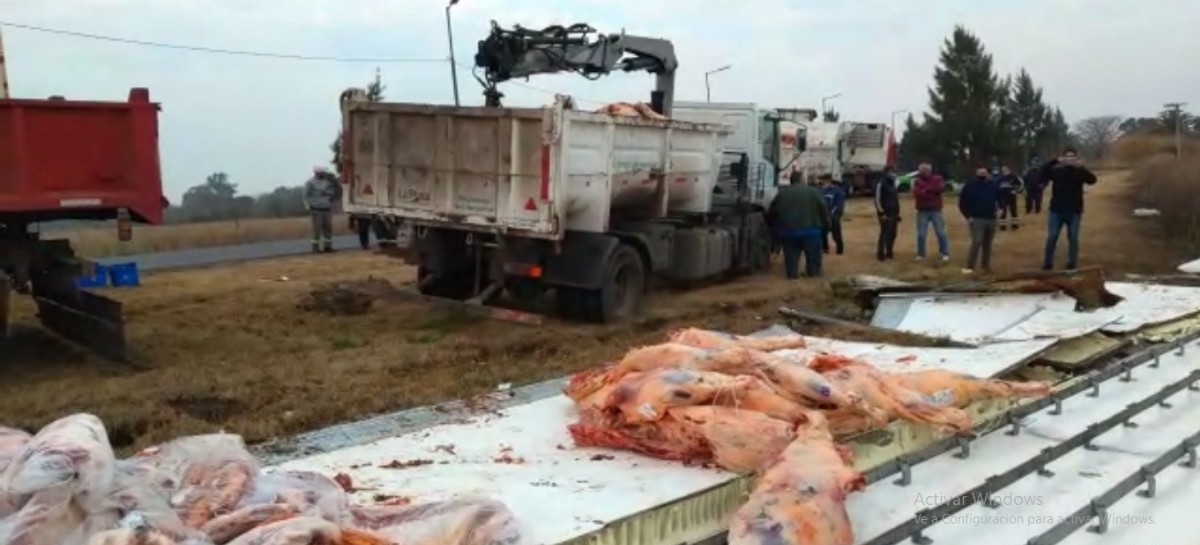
(1066, 177)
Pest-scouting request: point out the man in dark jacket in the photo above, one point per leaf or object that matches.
(799, 217)
(887, 209)
(1066, 177)
(1008, 185)
(835, 199)
(1034, 187)
(978, 202)
(927, 192)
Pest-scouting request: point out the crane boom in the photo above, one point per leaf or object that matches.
(521, 52)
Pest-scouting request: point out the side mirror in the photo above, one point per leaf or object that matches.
(801, 140)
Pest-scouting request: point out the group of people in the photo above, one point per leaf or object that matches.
(804, 218)
(983, 195)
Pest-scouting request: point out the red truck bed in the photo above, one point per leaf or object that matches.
(64, 159)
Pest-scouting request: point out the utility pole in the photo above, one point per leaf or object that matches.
(453, 65)
(825, 110)
(707, 87)
(1177, 108)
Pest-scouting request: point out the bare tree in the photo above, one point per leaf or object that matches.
(1096, 134)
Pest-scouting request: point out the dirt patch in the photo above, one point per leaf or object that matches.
(209, 408)
(346, 298)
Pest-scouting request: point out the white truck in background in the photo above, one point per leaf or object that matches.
(869, 148)
(587, 205)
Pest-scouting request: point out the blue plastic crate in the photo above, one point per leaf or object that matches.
(98, 278)
(124, 275)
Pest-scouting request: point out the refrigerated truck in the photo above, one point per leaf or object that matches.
(532, 200)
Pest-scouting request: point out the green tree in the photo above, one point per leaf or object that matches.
(831, 116)
(967, 102)
(374, 91)
(1031, 119)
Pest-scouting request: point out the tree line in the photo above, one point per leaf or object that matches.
(978, 117)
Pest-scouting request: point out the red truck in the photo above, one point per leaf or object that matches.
(73, 160)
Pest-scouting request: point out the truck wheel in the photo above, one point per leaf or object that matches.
(460, 286)
(620, 297)
(760, 245)
(524, 290)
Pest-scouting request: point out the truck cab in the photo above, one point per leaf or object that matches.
(771, 144)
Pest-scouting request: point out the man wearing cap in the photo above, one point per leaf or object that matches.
(321, 193)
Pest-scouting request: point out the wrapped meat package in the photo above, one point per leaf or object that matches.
(63, 486)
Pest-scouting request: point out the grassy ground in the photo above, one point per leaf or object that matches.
(102, 241)
(228, 348)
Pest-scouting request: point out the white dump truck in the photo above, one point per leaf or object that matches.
(588, 205)
(869, 148)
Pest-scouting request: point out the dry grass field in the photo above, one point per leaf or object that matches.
(102, 242)
(228, 348)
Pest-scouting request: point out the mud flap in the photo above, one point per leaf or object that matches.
(93, 321)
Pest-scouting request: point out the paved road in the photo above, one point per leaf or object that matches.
(203, 257)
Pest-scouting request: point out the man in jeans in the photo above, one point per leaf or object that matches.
(887, 209)
(835, 199)
(1066, 177)
(927, 192)
(321, 193)
(799, 217)
(978, 202)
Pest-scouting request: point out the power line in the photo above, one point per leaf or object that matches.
(217, 50)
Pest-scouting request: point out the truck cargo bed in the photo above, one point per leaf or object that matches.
(537, 172)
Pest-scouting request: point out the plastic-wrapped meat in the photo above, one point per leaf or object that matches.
(741, 441)
(215, 492)
(882, 390)
(800, 500)
(297, 531)
(71, 452)
(306, 492)
(135, 501)
(960, 390)
(48, 516)
(126, 536)
(645, 397)
(808, 386)
(701, 338)
(11, 442)
(455, 522)
(227, 527)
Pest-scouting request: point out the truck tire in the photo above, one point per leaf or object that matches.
(619, 297)
(525, 291)
(760, 245)
(459, 286)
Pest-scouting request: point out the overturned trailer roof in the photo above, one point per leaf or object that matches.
(1035, 472)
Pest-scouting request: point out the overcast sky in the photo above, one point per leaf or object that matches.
(266, 122)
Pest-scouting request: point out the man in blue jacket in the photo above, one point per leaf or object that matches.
(835, 198)
(978, 202)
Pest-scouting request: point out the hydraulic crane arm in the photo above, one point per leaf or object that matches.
(522, 52)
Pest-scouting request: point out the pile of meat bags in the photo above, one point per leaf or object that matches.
(772, 407)
(64, 486)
